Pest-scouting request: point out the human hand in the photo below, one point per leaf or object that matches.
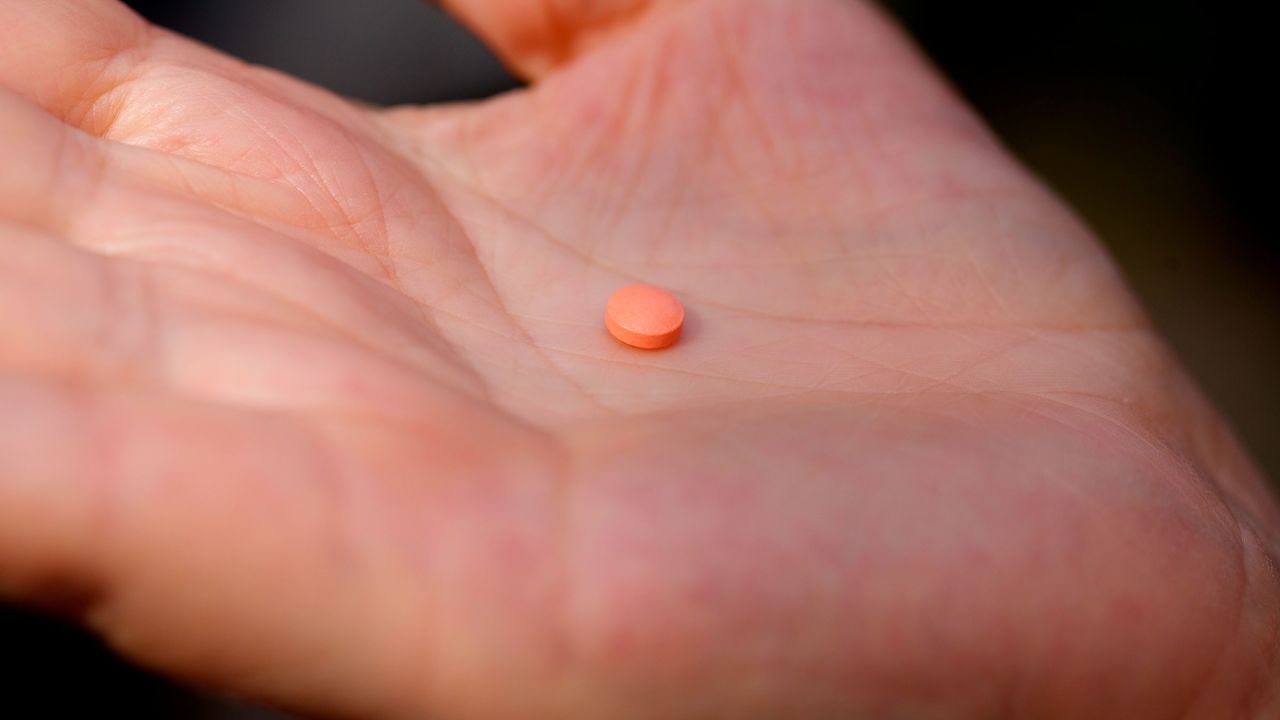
(312, 402)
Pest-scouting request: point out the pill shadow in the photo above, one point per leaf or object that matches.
(694, 327)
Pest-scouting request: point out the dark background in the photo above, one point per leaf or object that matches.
(1150, 117)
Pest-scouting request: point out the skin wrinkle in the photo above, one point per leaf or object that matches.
(238, 200)
(625, 98)
(181, 160)
(375, 244)
(310, 168)
(542, 108)
(594, 260)
(1192, 430)
(737, 88)
(1099, 358)
(98, 169)
(627, 276)
(385, 258)
(949, 379)
(302, 163)
(617, 122)
(901, 286)
(446, 352)
(732, 157)
(524, 334)
(109, 85)
(381, 251)
(730, 51)
(749, 381)
(649, 86)
(934, 381)
(423, 307)
(58, 164)
(917, 226)
(393, 275)
(283, 91)
(985, 282)
(1001, 241)
(842, 257)
(1147, 438)
(239, 205)
(59, 204)
(807, 174)
(102, 112)
(560, 243)
(666, 218)
(339, 331)
(420, 305)
(659, 75)
(300, 166)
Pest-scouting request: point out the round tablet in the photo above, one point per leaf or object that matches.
(645, 317)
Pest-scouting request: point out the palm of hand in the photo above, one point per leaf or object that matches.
(334, 395)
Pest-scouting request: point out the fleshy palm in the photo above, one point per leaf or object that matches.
(312, 402)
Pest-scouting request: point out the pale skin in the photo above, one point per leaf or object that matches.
(312, 402)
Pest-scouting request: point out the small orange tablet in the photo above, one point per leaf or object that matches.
(645, 317)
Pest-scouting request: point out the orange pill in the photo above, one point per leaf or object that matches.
(645, 317)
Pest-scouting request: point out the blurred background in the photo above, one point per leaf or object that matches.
(1152, 117)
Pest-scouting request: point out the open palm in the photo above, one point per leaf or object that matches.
(313, 402)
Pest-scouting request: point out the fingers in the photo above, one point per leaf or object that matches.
(157, 519)
(334, 565)
(535, 36)
(48, 172)
(63, 310)
(58, 305)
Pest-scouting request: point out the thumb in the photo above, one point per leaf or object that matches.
(535, 36)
